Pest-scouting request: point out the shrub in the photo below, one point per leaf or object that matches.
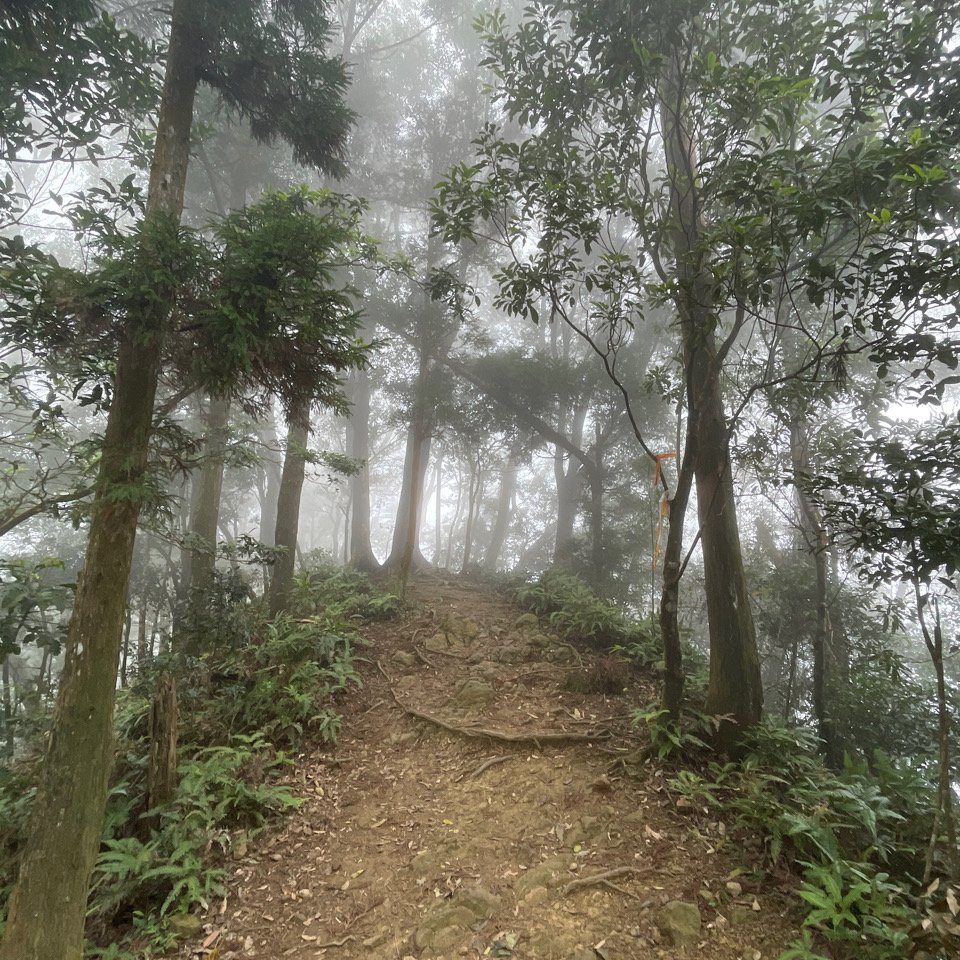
(841, 830)
(577, 613)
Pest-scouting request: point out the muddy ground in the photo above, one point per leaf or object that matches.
(545, 837)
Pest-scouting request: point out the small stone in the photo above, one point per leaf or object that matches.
(478, 901)
(739, 915)
(185, 926)
(527, 621)
(404, 658)
(537, 896)
(680, 922)
(439, 921)
(438, 643)
(546, 874)
(473, 692)
(734, 888)
(584, 953)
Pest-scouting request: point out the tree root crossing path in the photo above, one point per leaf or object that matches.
(476, 806)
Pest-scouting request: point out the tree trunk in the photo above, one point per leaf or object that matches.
(673, 677)
(272, 472)
(288, 508)
(7, 710)
(568, 500)
(473, 506)
(438, 517)
(162, 767)
(943, 814)
(200, 561)
(125, 653)
(142, 654)
(734, 690)
(815, 540)
(48, 906)
(405, 551)
(596, 523)
(508, 484)
(358, 446)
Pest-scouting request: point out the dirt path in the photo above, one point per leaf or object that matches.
(415, 841)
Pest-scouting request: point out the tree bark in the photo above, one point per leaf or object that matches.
(816, 543)
(596, 522)
(8, 737)
(358, 446)
(272, 471)
(162, 766)
(498, 537)
(201, 560)
(288, 508)
(673, 676)
(473, 506)
(734, 691)
(405, 553)
(48, 906)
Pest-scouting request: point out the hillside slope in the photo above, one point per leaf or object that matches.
(423, 836)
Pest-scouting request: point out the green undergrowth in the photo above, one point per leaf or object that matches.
(251, 693)
(856, 839)
(578, 614)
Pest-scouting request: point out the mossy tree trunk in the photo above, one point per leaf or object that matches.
(734, 690)
(48, 905)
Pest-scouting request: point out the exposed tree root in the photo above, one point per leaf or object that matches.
(603, 878)
(486, 765)
(483, 733)
(423, 658)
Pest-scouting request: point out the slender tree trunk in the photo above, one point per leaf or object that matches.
(142, 653)
(456, 518)
(568, 500)
(358, 446)
(200, 561)
(673, 676)
(125, 654)
(498, 537)
(438, 516)
(473, 505)
(734, 690)
(288, 508)
(48, 906)
(568, 487)
(7, 709)
(162, 763)
(816, 543)
(943, 815)
(596, 523)
(273, 475)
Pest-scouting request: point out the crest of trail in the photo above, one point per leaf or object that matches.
(481, 801)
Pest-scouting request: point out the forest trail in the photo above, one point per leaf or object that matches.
(417, 841)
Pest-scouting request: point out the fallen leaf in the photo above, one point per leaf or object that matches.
(952, 905)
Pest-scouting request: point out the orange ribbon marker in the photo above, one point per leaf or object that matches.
(664, 502)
